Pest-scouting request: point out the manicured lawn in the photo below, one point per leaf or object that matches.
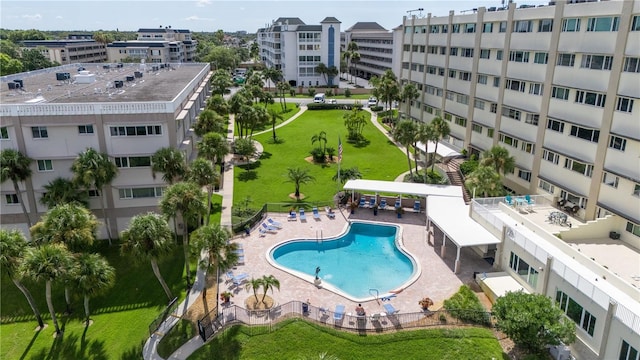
(121, 317)
(216, 209)
(301, 340)
(267, 181)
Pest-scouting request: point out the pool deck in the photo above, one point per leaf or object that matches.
(436, 280)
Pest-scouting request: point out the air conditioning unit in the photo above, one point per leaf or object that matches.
(560, 352)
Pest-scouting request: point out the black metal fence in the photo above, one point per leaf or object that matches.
(276, 208)
(265, 321)
(157, 322)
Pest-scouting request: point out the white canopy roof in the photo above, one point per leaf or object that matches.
(404, 188)
(452, 217)
(444, 149)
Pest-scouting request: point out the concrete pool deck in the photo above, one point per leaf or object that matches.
(436, 280)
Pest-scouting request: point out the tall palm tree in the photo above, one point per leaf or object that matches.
(440, 129)
(63, 191)
(350, 54)
(386, 87)
(184, 200)
(170, 162)
(213, 147)
(283, 88)
(299, 176)
(92, 169)
(268, 283)
(274, 115)
(16, 167)
(48, 263)
(203, 173)
(220, 81)
(209, 121)
(499, 158)
(221, 253)
(13, 247)
(70, 224)
(484, 180)
(254, 284)
(409, 93)
(148, 238)
(405, 134)
(322, 139)
(218, 104)
(322, 69)
(332, 72)
(93, 276)
(423, 135)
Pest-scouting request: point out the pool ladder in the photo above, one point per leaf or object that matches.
(319, 238)
(377, 293)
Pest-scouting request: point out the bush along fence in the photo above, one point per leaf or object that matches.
(265, 321)
(259, 216)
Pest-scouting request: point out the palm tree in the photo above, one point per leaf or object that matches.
(271, 74)
(283, 87)
(220, 81)
(218, 104)
(348, 174)
(424, 134)
(274, 115)
(268, 283)
(386, 87)
(322, 69)
(351, 55)
(332, 72)
(409, 93)
(484, 180)
(48, 263)
(148, 237)
(405, 134)
(16, 167)
(169, 161)
(299, 176)
(13, 247)
(63, 191)
(440, 129)
(70, 224)
(213, 147)
(321, 138)
(184, 200)
(499, 158)
(245, 148)
(221, 253)
(202, 173)
(209, 121)
(94, 170)
(93, 276)
(254, 284)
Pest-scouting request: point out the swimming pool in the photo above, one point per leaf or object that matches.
(366, 261)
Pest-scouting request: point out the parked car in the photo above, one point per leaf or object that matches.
(372, 102)
(332, 101)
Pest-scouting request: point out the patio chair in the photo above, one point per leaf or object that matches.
(389, 309)
(509, 200)
(530, 201)
(372, 202)
(316, 214)
(268, 227)
(292, 216)
(263, 232)
(329, 212)
(383, 203)
(338, 314)
(303, 217)
(362, 202)
(274, 223)
(416, 206)
(398, 204)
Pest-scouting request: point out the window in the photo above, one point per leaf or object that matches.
(545, 25)
(455, 28)
(452, 74)
(560, 93)
(523, 26)
(440, 71)
(478, 104)
(515, 85)
(453, 51)
(546, 186)
(477, 128)
(443, 50)
(469, 28)
(85, 129)
(133, 161)
(12, 199)
(576, 312)
(431, 70)
(519, 56)
(503, 26)
(448, 116)
(450, 95)
(624, 104)
(566, 59)
(636, 190)
(631, 227)
(404, 47)
(482, 79)
(571, 25)
(134, 193)
(618, 143)
(579, 167)
(434, 29)
(45, 165)
(428, 109)
(487, 27)
(610, 179)
(494, 108)
(635, 23)
(555, 125)
(39, 132)
(526, 272)
(590, 98)
(405, 65)
(628, 352)
(4, 133)
(528, 148)
(93, 193)
(511, 113)
(489, 132)
(532, 119)
(524, 175)
(550, 156)
(430, 90)
(508, 140)
(461, 121)
(496, 81)
(485, 53)
(432, 50)
(498, 54)
(466, 52)
(596, 62)
(631, 64)
(444, 29)
(137, 130)
(541, 58)
(464, 75)
(584, 133)
(535, 88)
(603, 24)
(462, 99)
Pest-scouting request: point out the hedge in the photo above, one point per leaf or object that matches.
(324, 106)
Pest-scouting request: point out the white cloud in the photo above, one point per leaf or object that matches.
(32, 17)
(203, 3)
(59, 17)
(197, 18)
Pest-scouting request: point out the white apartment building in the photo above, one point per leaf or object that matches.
(296, 49)
(159, 45)
(376, 48)
(78, 48)
(128, 111)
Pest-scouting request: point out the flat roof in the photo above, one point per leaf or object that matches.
(444, 150)
(451, 215)
(160, 85)
(404, 188)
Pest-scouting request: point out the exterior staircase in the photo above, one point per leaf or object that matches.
(452, 169)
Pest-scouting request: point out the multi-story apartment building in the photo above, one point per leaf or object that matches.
(555, 85)
(296, 49)
(128, 111)
(376, 48)
(77, 48)
(161, 45)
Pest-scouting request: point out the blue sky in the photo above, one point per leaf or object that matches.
(211, 15)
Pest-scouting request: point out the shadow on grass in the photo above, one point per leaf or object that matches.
(361, 143)
(248, 175)
(66, 347)
(33, 340)
(134, 352)
(277, 141)
(251, 166)
(225, 346)
(265, 155)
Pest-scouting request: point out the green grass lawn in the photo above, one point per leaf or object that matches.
(297, 339)
(266, 180)
(216, 209)
(120, 318)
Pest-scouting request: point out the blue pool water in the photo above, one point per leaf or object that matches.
(364, 258)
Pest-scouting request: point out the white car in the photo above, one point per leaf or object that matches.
(372, 102)
(332, 101)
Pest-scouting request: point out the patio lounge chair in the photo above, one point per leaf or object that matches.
(416, 206)
(292, 216)
(316, 214)
(303, 217)
(263, 232)
(530, 201)
(338, 314)
(383, 203)
(363, 202)
(268, 227)
(509, 200)
(329, 212)
(398, 204)
(240, 259)
(372, 202)
(274, 223)
(237, 277)
(389, 309)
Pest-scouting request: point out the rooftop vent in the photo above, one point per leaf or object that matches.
(63, 76)
(118, 83)
(138, 74)
(130, 77)
(19, 83)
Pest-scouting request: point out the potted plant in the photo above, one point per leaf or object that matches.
(399, 211)
(247, 229)
(353, 206)
(425, 303)
(375, 209)
(225, 297)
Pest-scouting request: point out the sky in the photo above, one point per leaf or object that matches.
(212, 15)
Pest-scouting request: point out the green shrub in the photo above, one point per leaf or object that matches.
(468, 167)
(376, 108)
(321, 106)
(318, 154)
(465, 305)
(329, 93)
(311, 92)
(292, 92)
(347, 93)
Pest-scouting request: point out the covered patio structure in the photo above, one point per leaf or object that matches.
(450, 215)
(444, 151)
